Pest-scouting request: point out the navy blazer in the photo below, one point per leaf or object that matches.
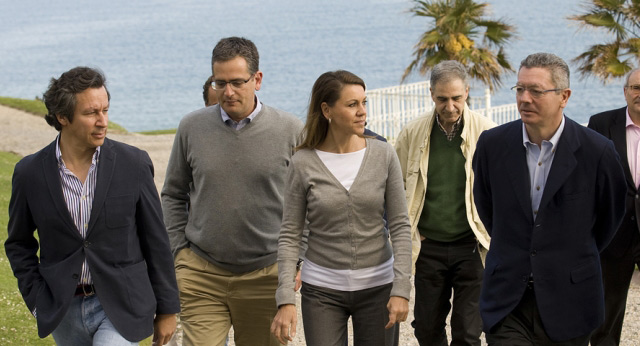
(127, 247)
(581, 208)
(613, 125)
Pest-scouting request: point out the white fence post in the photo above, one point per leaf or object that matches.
(487, 103)
(390, 109)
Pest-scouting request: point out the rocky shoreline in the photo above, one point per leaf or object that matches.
(23, 134)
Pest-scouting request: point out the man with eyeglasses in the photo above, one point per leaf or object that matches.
(449, 240)
(235, 155)
(620, 258)
(551, 194)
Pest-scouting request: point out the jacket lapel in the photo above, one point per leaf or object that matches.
(564, 161)
(106, 166)
(517, 170)
(51, 174)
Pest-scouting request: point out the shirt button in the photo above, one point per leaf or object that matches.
(538, 188)
(533, 253)
(539, 163)
(535, 212)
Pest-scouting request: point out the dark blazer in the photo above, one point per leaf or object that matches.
(612, 124)
(581, 208)
(126, 247)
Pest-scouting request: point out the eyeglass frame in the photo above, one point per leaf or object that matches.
(235, 84)
(533, 92)
(634, 88)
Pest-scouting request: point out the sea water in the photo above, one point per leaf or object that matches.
(157, 54)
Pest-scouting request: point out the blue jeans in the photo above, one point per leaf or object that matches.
(86, 323)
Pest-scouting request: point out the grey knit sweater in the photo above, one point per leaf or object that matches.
(223, 190)
(346, 228)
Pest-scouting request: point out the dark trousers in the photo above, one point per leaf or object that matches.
(523, 327)
(616, 274)
(441, 268)
(326, 312)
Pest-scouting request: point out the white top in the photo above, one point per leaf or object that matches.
(344, 167)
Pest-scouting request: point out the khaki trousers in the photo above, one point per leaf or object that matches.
(213, 299)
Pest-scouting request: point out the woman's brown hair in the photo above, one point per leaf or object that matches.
(327, 88)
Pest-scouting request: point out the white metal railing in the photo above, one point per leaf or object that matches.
(390, 109)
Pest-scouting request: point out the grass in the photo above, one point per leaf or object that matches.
(37, 107)
(159, 132)
(32, 106)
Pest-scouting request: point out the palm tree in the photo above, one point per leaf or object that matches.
(614, 59)
(456, 26)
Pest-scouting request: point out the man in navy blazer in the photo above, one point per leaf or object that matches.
(619, 259)
(104, 273)
(551, 194)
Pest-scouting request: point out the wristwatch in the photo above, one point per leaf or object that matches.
(299, 264)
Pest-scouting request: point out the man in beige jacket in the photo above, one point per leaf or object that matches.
(449, 240)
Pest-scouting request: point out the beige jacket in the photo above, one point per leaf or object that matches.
(412, 147)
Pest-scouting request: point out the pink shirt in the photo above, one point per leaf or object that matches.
(633, 143)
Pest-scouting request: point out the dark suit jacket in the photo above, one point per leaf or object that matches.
(612, 124)
(581, 208)
(126, 247)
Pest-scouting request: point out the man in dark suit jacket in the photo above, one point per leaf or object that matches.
(551, 194)
(104, 273)
(619, 259)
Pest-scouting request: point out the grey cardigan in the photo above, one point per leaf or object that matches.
(346, 228)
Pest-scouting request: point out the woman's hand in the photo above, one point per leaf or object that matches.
(284, 324)
(398, 310)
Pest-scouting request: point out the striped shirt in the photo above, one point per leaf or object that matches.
(79, 199)
(454, 129)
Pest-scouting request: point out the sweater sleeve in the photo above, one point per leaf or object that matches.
(175, 193)
(293, 223)
(399, 227)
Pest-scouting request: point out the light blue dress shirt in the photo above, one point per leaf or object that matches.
(539, 160)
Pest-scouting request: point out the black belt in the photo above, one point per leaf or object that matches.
(85, 290)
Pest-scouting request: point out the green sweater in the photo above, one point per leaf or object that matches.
(232, 215)
(444, 217)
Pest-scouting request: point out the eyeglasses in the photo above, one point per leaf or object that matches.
(634, 88)
(535, 93)
(235, 84)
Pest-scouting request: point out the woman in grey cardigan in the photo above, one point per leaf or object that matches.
(342, 183)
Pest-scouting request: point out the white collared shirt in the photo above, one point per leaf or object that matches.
(237, 125)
